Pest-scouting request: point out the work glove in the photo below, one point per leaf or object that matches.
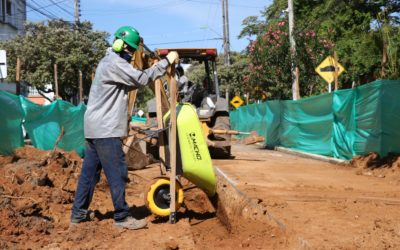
(173, 57)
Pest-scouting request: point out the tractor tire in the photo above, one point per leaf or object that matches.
(157, 198)
(221, 122)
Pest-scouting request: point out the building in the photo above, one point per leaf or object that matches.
(11, 87)
(41, 97)
(12, 18)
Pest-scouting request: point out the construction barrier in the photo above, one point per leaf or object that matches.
(11, 114)
(340, 124)
(43, 124)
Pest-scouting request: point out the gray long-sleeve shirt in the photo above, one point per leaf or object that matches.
(107, 112)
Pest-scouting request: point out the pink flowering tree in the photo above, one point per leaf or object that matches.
(270, 67)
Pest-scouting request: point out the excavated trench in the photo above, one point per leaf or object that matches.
(238, 221)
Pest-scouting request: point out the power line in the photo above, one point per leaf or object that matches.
(215, 15)
(62, 8)
(55, 11)
(41, 7)
(48, 11)
(38, 10)
(44, 10)
(232, 5)
(188, 41)
(97, 12)
(205, 36)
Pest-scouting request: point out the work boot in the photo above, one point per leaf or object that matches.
(131, 223)
(89, 217)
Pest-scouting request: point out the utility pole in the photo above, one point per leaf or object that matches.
(225, 25)
(18, 77)
(80, 87)
(77, 11)
(224, 29)
(292, 50)
(77, 14)
(228, 43)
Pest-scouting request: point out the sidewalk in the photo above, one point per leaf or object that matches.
(322, 204)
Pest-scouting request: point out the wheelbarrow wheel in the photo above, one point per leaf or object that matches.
(158, 197)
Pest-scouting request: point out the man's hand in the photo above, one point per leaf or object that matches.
(173, 57)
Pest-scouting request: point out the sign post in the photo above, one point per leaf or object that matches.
(330, 69)
(336, 71)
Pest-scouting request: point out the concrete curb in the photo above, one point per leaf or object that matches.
(312, 156)
(249, 201)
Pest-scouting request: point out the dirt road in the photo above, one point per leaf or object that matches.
(295, 203)
(322, 205)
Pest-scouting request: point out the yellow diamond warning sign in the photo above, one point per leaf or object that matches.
(236, 102)
(327, 69)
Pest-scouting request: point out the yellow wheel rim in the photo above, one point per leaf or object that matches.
(157, 197)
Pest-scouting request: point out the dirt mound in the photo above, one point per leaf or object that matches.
(37, 189)
(373, 165)
(34, 186)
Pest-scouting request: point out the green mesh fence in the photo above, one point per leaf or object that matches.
(11, 114)
(307, 124)
(344, 124)
(340, 124)
(42, 123)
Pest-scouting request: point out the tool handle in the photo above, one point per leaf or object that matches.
(172, 144)
(227, 132)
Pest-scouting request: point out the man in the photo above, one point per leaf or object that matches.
(182, 81)
(105, 123)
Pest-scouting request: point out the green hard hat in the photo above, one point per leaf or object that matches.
(129, 35)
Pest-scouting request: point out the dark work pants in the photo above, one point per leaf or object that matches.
(107, 154)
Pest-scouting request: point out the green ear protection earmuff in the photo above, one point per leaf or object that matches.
(118, 45)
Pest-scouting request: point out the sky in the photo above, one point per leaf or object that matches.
(161, 23)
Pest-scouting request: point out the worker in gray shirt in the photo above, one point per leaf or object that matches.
(105, 123)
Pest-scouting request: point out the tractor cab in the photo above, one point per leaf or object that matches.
(211, 108)
(205, 95)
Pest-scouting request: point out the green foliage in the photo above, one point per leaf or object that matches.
(196, 72)
(365, 35)
(57, 42)
(270, 68)
(230, 77)
(252, 26)
(356, 30)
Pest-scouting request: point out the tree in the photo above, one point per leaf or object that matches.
(365, 35)
(230, 77)
(57, 42)
(357, 29)
(270, 67)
